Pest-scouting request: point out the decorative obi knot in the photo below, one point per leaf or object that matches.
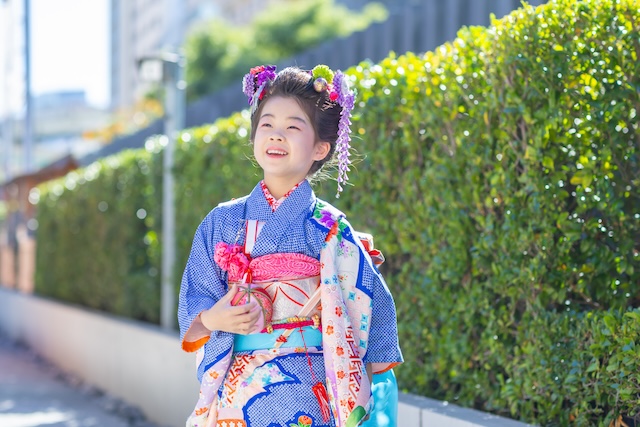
(231, 259)
(367, 242)
(283, 266)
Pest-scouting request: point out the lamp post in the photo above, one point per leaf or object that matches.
(168, 68)
(28, 115)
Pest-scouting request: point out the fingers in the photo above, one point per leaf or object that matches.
(239, 310)
(233, 290)
(254, 315)
(245, 328)
(238, 319)
(254, 312)
(247, 321)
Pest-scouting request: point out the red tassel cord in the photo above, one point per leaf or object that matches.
(323, 400)
(319, 390)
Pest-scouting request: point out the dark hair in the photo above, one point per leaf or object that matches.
(292, 82)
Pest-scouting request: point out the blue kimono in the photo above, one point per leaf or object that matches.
(267, 380)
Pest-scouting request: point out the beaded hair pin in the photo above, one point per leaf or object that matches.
(324, 79)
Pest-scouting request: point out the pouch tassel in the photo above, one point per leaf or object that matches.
(323, 400)
(319, 390)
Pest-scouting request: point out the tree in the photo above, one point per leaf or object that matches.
(218, 54)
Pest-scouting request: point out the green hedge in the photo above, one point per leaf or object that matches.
(508, 204)
(503, 172)
(97, 243)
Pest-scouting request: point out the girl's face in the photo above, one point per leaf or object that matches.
(285, 142)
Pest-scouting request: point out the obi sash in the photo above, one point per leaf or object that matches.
(305, 336)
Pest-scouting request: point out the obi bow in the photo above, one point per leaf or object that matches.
(232, 259)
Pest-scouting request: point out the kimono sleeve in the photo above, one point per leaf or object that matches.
(383, 349)
(201, 286)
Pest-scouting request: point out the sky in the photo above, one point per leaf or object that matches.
(70, 47)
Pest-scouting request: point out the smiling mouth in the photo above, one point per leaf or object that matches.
(274, 152)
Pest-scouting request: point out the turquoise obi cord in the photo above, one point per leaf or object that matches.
(384, 387)
(312, 337)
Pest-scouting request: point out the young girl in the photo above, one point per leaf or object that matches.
(293, 324)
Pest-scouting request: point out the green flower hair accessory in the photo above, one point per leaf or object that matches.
(322, 71)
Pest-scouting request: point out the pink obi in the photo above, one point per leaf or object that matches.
(233, 260)
(281, 283)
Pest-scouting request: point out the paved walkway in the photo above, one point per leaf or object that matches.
(34, 393)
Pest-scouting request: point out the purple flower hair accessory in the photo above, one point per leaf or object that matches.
(335, 83)
(346, 99)
(255, 81)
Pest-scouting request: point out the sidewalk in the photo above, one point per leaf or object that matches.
(34, 393)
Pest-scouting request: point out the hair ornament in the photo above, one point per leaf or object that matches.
(345, 97)
(255, 82)
(322, 72)
(323, 79)
(338, 87)
(320, 84)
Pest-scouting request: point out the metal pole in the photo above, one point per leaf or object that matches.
(28, 116)
(174, 122)
(5, 107)
(7, 145)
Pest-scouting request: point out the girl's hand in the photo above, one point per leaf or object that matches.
(239, 319)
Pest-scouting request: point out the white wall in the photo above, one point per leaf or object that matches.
(139, 363)
(145, 366)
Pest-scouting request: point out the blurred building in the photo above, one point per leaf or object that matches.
(62, 119)
(59, 119)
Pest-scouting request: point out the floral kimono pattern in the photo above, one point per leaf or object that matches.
(348, 338)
